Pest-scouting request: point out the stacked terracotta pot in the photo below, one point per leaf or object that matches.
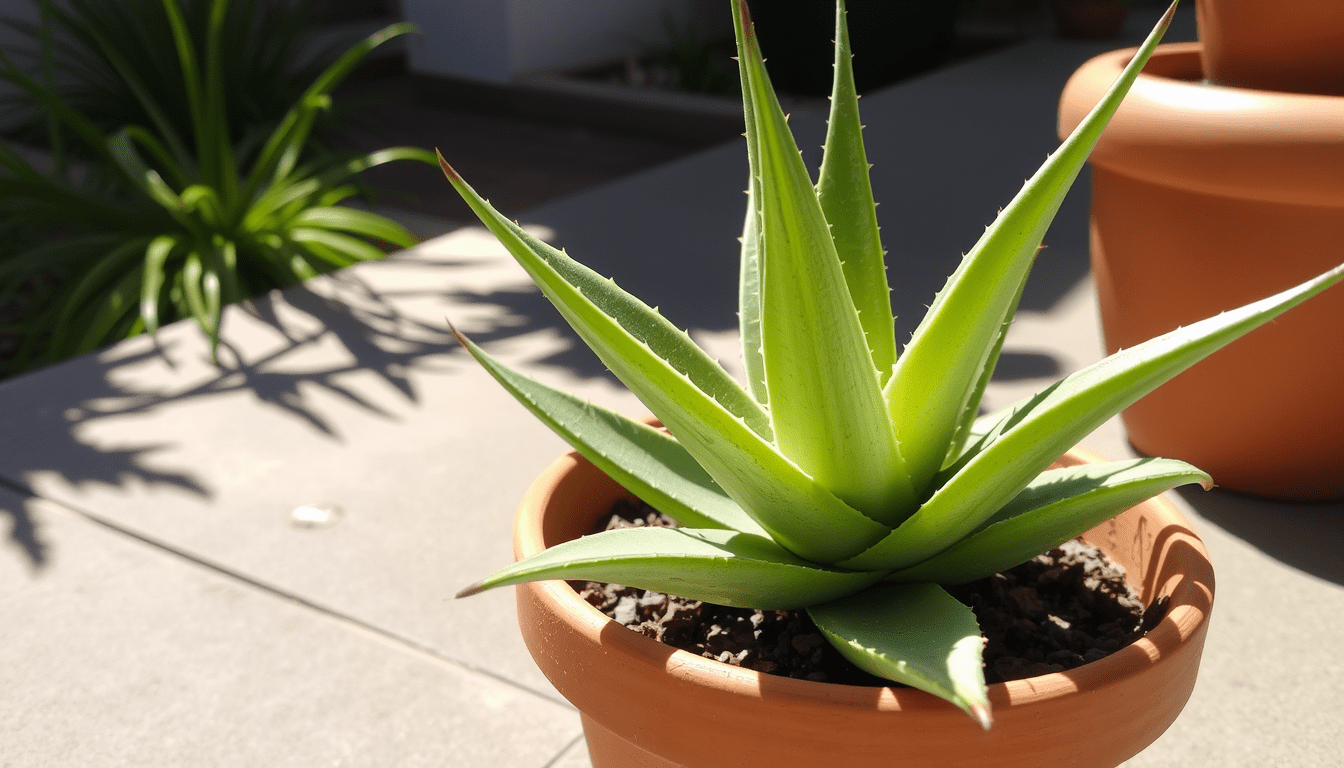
(1221, 181)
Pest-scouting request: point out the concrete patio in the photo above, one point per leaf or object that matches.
(253, 564)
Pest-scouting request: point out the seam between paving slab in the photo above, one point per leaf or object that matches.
(564, 752)
(278, 592)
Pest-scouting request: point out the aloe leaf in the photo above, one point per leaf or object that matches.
(614, 318)
(749, 282)
(718, 422)
(645, 461)
(1057, 506)
(915, 634)
(846, 196)
(1040, 430)
(937, 373)
(971, 411)
(811, 338)
(722, 567)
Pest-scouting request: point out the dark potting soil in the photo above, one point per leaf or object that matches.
(1063, 609)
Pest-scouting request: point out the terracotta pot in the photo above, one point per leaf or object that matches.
(1089, 19)
(1205, 198)
(649, 705)
(1283, 45)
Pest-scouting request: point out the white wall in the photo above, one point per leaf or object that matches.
(461, 38)
(504, 40)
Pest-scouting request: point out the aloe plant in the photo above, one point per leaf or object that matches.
(859, 505)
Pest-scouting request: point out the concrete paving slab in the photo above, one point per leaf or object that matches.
(117, 653)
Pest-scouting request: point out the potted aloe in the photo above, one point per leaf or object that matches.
(856, 506)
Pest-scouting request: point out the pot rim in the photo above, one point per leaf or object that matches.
(1177, 130)
(1190, 596)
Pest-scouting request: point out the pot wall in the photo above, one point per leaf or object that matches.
(1274, 45)
(1203, 199)
(646, 704)
(1090, 19)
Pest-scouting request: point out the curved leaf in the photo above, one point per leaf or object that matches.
(718, 422)
(156, 256)
(1043, 428)
(111, 316)
(341, 250)
(645, 461)
(937, 374)
(1057, 506)
(749, 281)
(277, 157)
(355, 221)
(846, 196)
(915, 634)
(721, 567)
(811, 338)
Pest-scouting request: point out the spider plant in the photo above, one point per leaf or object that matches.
(81, 48)
(859, 504)
(160, 224)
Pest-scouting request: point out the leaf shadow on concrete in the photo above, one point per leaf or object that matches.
(326, 337)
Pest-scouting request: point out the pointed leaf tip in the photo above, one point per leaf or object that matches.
(474, 589)
(748, 33)
(982, 715)
(448, 170)
(461, 339)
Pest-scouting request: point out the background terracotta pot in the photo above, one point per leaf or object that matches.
(1089, 19)
(646, 704)
(1283, 45)
(1205, 198)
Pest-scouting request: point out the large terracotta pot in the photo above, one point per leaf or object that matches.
(649, 705)
(1205, 198)
(1089, 19)
(1274, 45)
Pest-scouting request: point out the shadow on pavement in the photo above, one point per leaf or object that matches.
(1308, 537)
